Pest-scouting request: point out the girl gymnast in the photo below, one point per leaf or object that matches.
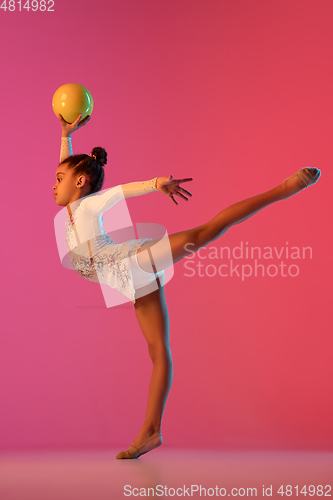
(136, 267)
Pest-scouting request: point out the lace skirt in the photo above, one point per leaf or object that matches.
(117, 266)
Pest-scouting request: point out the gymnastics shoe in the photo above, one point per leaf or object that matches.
(133, 452)
(306, 176)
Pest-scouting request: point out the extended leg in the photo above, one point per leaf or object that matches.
(169, 250)
(237, 213)
(166, 253)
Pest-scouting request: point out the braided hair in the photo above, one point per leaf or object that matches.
(89, 165)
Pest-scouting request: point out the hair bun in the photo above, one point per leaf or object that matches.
(101, 155)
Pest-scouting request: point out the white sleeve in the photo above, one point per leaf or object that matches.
(97, 204)
(65, 148)
(139, 188)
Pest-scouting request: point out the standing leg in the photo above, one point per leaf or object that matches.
(153, 318)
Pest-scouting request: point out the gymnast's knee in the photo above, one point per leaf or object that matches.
(201, 237)
(159, 351)
(209, 233)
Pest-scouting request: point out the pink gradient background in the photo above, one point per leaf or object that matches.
(237, 95)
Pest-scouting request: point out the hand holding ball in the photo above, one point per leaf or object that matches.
(70, 100)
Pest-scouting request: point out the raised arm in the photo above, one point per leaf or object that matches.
(67, 130)
(66, 147)
(97, 204)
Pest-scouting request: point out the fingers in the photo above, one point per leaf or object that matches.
(63, 121)
(76, 123)
(84, 121)
(77, 120)
(180, 194)
(185, 191)
(182, 190)
(187, 179)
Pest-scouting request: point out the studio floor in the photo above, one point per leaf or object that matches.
(164, 474)
(97, 475)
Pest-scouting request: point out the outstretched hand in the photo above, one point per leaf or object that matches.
(171, 187)
(69, 128)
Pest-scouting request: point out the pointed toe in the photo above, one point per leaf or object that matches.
(309, 175)
(133, 452)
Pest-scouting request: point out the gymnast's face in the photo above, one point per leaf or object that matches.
(69, 188)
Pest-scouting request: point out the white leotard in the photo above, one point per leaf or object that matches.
(94, 255)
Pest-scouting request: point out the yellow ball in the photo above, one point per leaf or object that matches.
(70, 100)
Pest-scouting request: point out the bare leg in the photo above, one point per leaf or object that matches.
(153, 318)
(151, 310)
(237, 213)
(201, 236)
